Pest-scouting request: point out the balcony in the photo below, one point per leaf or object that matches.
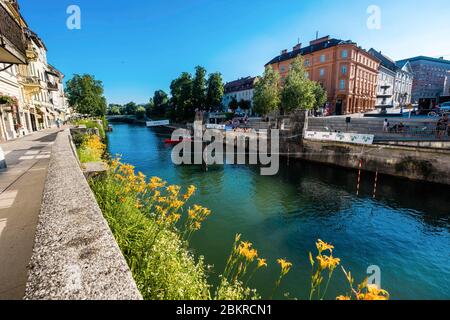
(32, 85)
(52, 86)
(12, 45)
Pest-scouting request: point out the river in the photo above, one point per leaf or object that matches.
(404, 231)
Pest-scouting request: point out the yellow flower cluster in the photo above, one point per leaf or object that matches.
(196, 216)
(246, 251)
(285, 266)
(364, 291)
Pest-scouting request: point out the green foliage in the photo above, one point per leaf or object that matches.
(140, 112)
(199, 88)
(320, 95)
(245, 104)
(267, 92)
(85, 94)
(234, 291)
(298, 92)
(215, 90)
(114, 110)
(233, 105)
(130, 108)
(94, 124)
(91, 149)
(158, 105)
(181, 91)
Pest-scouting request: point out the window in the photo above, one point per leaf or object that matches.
(344, 69)
(322, 72)
(344, 54)
(342, 84)
(307, 74)
(323, 58)
(282, 69)
(307, 63)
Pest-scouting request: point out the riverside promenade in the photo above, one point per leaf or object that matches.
(21, 189)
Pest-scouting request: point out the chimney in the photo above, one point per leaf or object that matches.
(297, 47)
(320, 40)
(283, 52)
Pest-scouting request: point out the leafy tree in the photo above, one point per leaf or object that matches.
(215, 90)
(199, 88)
(181, 91)
(140, 112)
(85, 95)
(115, 109)
(267, 92)
(158, 104)
(130, 108)
(298, 92)
(245, 104)
(320, 94)
(233, 105)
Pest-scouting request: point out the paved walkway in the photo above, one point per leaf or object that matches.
(21, 188)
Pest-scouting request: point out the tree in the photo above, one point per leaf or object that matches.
(233, 105)
(267, 92)
(199, 88)
(215, 90)
(158, 104)
(85, 95)
(320, 94)
(245, 104)
(298, 92)
(130, 108)
(140, 112)
(115, 109)
(181, 91)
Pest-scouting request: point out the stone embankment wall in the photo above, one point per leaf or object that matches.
(423, 164)
(75, 256)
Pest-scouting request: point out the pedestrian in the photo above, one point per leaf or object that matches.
(440, 128)
(386, 125)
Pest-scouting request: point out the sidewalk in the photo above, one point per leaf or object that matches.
(21, 188)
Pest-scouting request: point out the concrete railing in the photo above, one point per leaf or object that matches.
(75, 256)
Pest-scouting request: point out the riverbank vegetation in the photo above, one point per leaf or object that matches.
(153, 223)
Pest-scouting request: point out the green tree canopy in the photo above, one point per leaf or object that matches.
(267, 92)
(298, 92)
(320, 94)
(199, 88)
(115, 109)
(85, 95)
(215, 90)
(158, 104)
(233, 105)
(245, 104)
(130, 108)
(181, 91)
(140, 112)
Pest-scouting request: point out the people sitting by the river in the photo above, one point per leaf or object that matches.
(441, 127)
(398, 128)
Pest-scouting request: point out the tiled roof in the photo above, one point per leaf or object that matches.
(240, 84)
(309, 49)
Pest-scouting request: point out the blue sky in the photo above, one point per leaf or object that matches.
(138, 46)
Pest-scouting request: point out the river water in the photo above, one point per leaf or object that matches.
(404, 231)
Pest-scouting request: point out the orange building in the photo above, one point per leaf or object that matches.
(347, 72)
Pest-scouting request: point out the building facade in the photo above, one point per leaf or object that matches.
(394, 82)
(28, 101)
(241, 89)
(429, 78)
(446, 91)
(347, 72)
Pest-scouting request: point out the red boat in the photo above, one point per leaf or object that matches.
(170, 141)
